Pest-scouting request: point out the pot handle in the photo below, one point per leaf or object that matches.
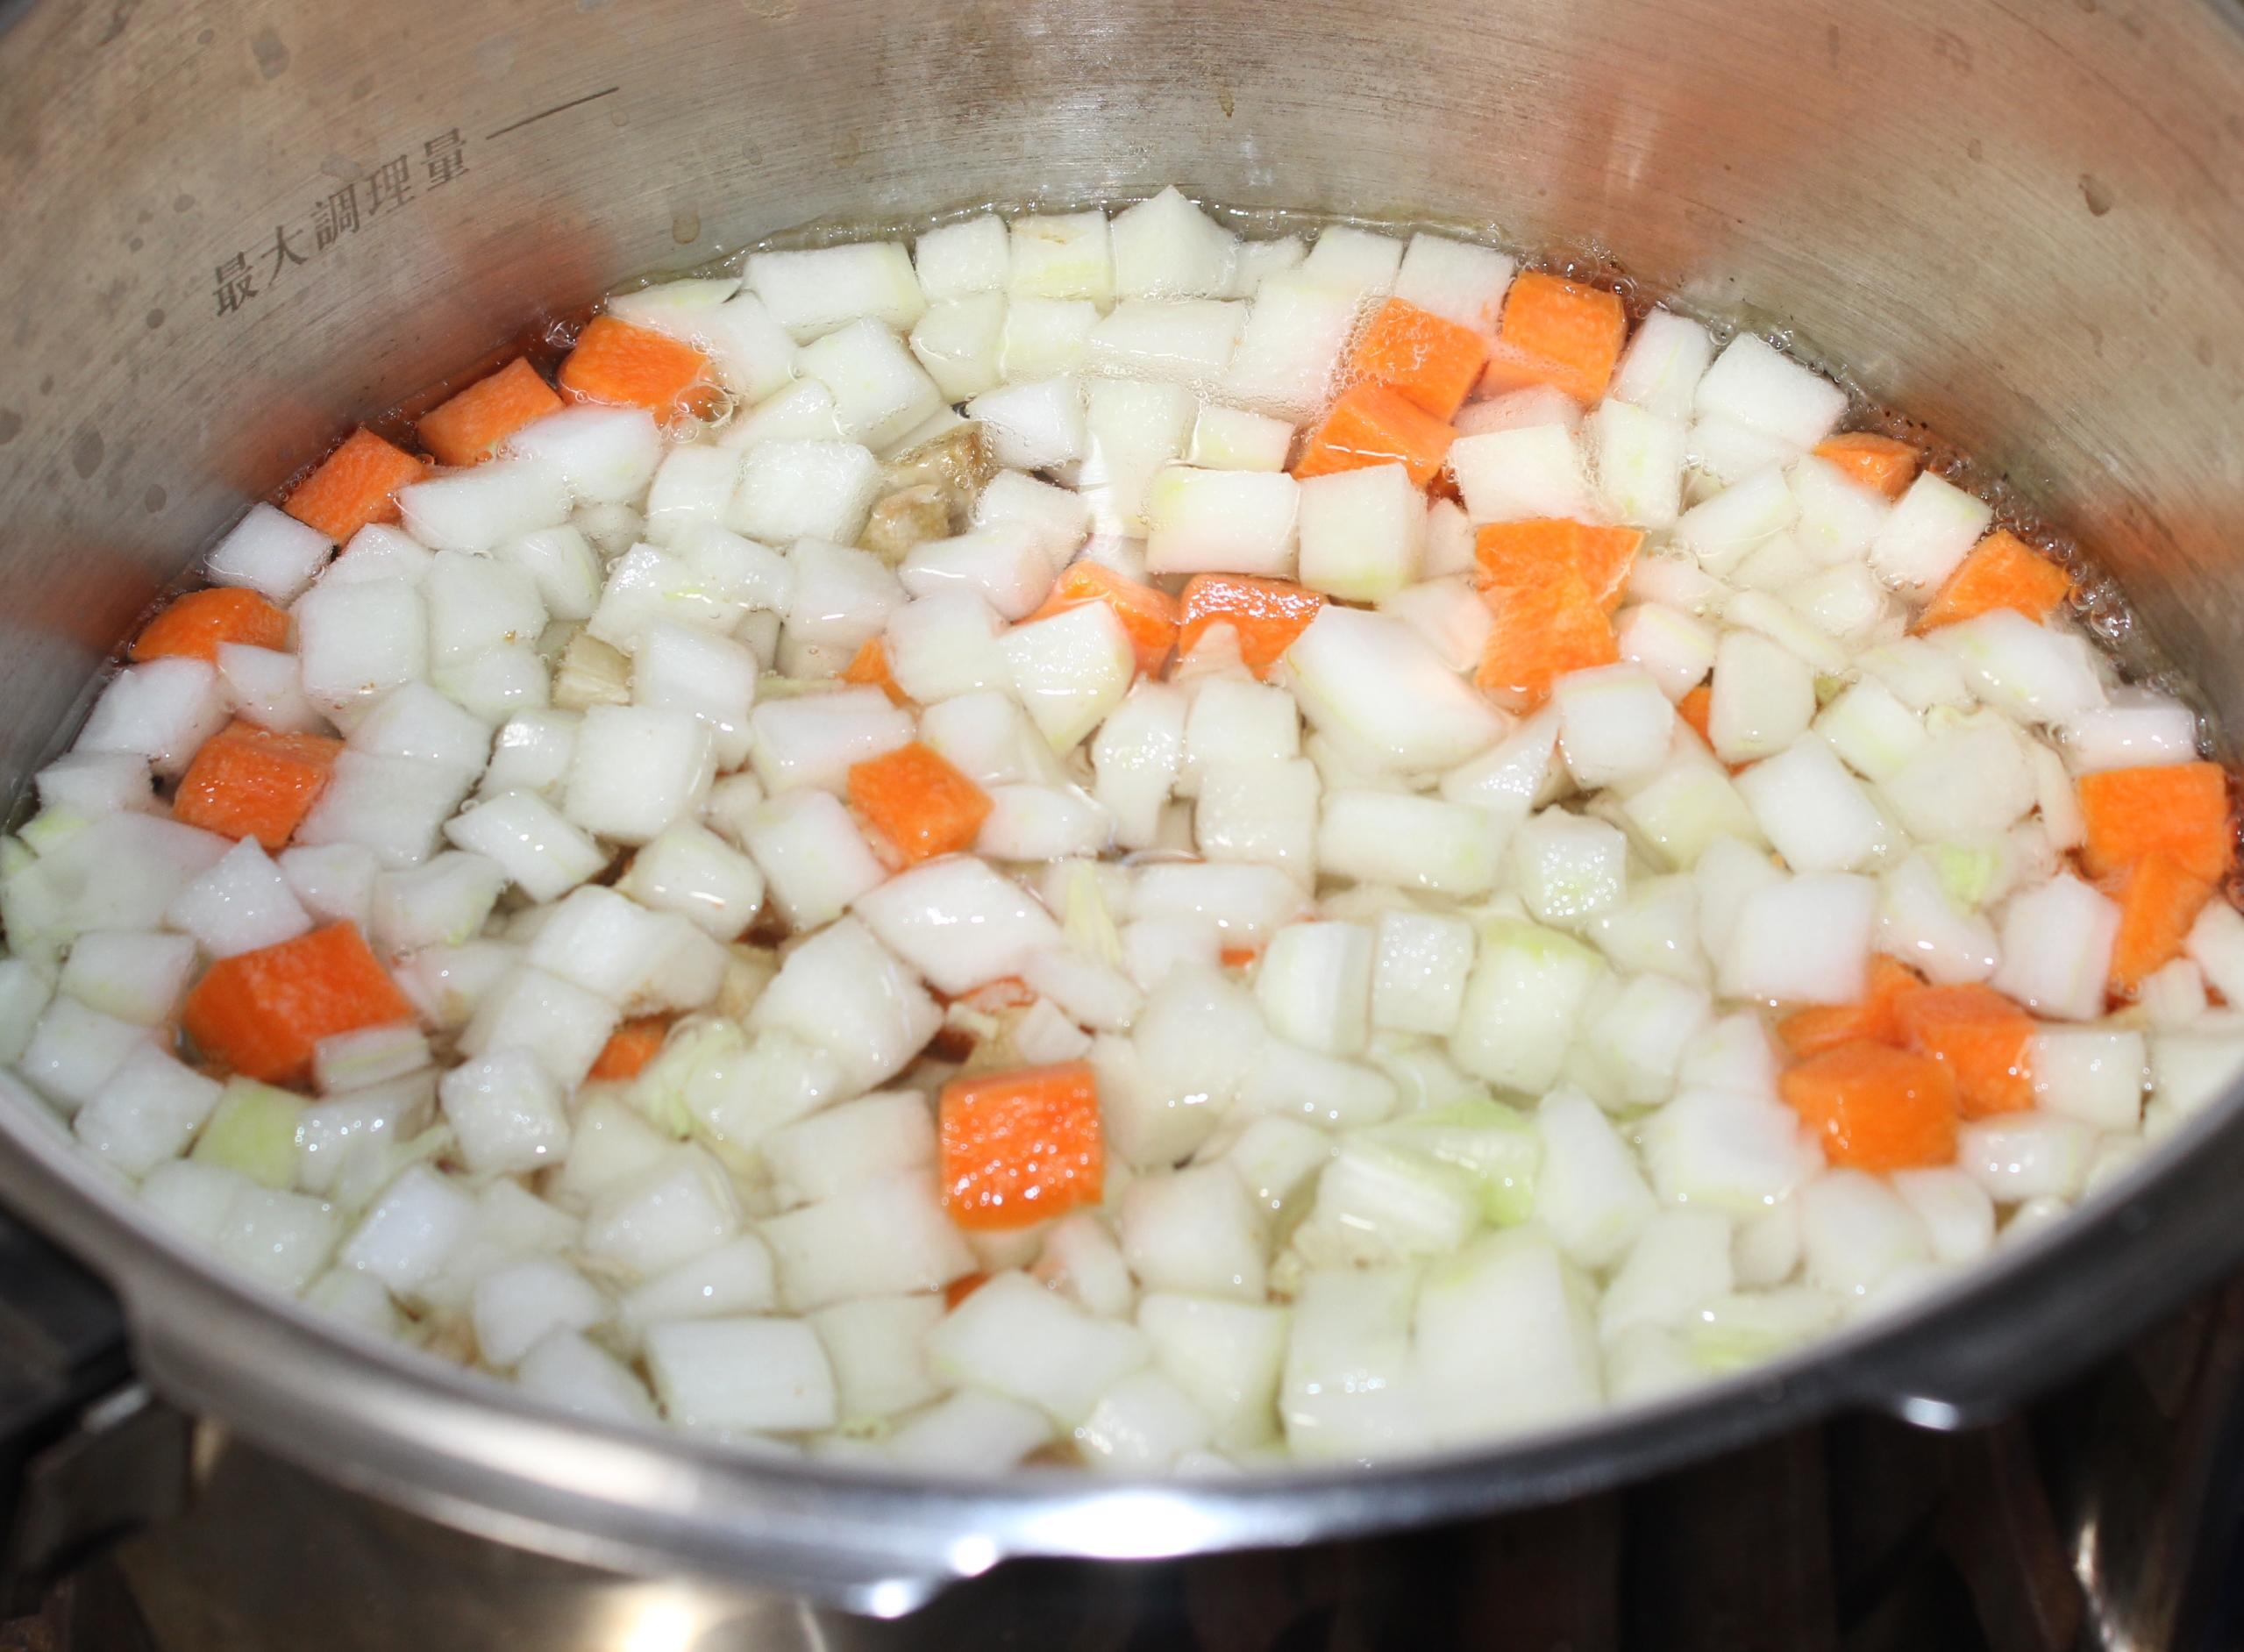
(87, 1453)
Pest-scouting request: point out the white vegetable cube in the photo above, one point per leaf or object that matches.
(1135, 757)
(2032, 672)
(2137, 728)
(1004, 563)
(1763, 699)
(135, 975)
(1194, 1231)
(1723, 531)
(804, 412)
(1679, 1260)
(2056, 949)
(1804, 939)
(1034, 426)
(768, 1375)
(1507, 1340)
(861, 1141)
(1751, 384)
(606, 455)
(1856, 1233)
(1348, 1387)
(1143, 1425)
(677, 1207)
(1233, 438)
(1871, 729)
(1314, 986)
(442, 902)
(1513, 475)
(690, 870)
(816, 290)
(693, 485)
(1134, 427)
(684, 668)
(945, 645)
(814, 740)
(333, 881)
(1014, 1338)
(1838, 515)
(1958, 1217)
(970, 1431)
(105, 782)
(479, 508)
(269, 552)
(1182, 342)
(1166, 247)
(1927, 533)
(518, 1305)
(959, 923)
(1637, 1041)
(1727, 1151)
(1227, 1356)
(1259, 812)
(958, 341)
(1372, 680)
(1421, 962)
(1639, 461)
(1069, 670)
(2094, 1074)
(530, 753)
(1377, 837)
(1360, 532)
(240, 905)
(162, 711)
(1522, 1002)
(1813, 812)
(1924, 925)
(736, 1277)
(1569, 867)
(816, 860)
(280, 1238)
(147, 1111)
(1295, 332)
(1062, 255)
(584, 1379)
(970, 256)
(634, 769)
(2215, 946)
(531, 843)
(1058, 518)
(1615, 725)
(1221, 521)
(805, 489)
(507, 1112)
(2021, 1156)
(843, 991)
(1354, 261)
(1455, 279)
(529, 1009)
(412, 1230)
(1676, 648)
(880, 393)
(1661, 368)
(879, 1239)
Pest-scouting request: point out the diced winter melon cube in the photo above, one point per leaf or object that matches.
(1166, 247)
(1660, 370)
(1856, 1232)
(813, 740)
(1512, 475)
(880, 393)
(1414, 842)
(1922, 924)
(1507, 1340)
(2056, 949)
(241, 904)
(583, 1378)
(1233, 438)
(518, 1305)
(804, 412)
(147, 1111)
(1521, 1004)
(1615, 724)
(1069, 670)
(879, 1239)
(1588, 1191)
(507, 1112)
(1062, 255)
(959, 923)
(1259, 812)
(1354, 261)
(1449, 615)
(1927, 533)
(270, 553)
(876, 1346)
(844, 991)
(2032, 672)
(814, 291)
(479, 508)
(1360, 532)
(1569, 867)
(412, 1229)
(678, 1206)
(748, 1373)
(634, 769)
(1215, 521)
(162, 710)
(1455, 279)
(604, 455)
(1814, 813)
(2022, 1156)
(1134, 427)
(959, 341)
(1349, 1388)
(2137, 728)
(1371, 678)
(1755, 386)
(137, 976)
(564, 1024)
(1295, 332)
(1764, 697)
(1804, 939)
(805, 489)
(1680, 1259)
(970, 256)
(1723, 531)
(1727, 1151)
(442, 902)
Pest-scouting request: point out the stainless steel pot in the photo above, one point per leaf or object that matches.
(235, 227)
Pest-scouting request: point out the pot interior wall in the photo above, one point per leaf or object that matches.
(237, 227)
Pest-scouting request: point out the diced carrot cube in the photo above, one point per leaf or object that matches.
(1238, 957)
(1557, 332)
(1541, 632)
(1875, 1018)
(631, 1047)
(261, 1013)
(354, 486)
(1980, 1036)
(2002, 571)
(2179, 810)
(193, 626)
(1021, 1146)
(1877, 462)
(1875, 1107)
(1513, 554)
(868, 668)
(1265, 614)
(1425, 358)
(2158, 902)
(1697, 708)
(624, 366)
(251, 782)
(469, 428)
(916, 800)
(1150, 615)
(1370, 424)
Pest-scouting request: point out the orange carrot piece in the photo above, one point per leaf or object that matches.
(962, 1287)
(467, 429)
(1557, 332)
(1871, 461)
(1020, 1146)
(916, 801)
(1425, 358)
(260, 1012)
(631, 1047)
(1980, 1036)
(1371, 424)
(1541, 632)
(1697, 708)
(1237, 957)
(1875, 1018)
(1266, 614)
(1875, 1107)
(192, 626)
(1150, 615)
(1515, 553)
(2002, 571)
(355, 485)
(2180, 810)
(624, 366)
(869, 668)
(251, 782)
(2158, 902)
